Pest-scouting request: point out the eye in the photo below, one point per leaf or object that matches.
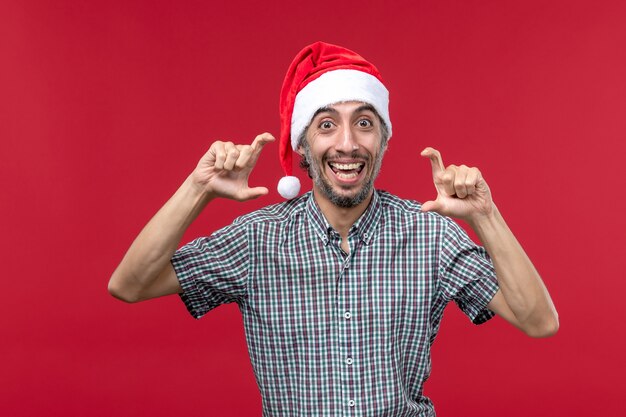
(365, 123)
(326, 124)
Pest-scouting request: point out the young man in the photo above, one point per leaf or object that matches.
(342, 289)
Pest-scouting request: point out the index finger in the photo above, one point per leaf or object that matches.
(436, 161)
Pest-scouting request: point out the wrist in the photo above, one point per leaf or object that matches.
(197, 191)
(485, 219)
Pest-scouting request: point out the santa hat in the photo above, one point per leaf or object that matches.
(323, 74)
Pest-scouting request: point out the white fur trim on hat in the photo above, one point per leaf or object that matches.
(335, 87)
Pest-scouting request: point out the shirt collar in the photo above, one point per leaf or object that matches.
(365, 226)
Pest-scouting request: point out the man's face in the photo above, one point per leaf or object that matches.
(344, 150)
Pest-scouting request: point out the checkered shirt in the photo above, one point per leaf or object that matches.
(332, 333)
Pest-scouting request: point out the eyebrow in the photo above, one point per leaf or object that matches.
(366, 107)
(328, 109)
(324, 109)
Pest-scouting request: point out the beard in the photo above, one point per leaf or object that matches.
(315, 171)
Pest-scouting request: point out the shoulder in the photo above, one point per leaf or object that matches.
(391, 202)
(406, 216)
(392, 205)
(274, 214)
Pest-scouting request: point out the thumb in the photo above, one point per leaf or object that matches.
(431, 206)
(255, 192)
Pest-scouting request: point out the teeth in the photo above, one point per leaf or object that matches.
(345, 167)
(346, 176)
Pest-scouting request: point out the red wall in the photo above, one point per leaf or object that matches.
(105, 107)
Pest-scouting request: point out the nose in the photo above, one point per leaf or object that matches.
(346, 141)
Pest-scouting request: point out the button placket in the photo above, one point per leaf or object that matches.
(350, 386)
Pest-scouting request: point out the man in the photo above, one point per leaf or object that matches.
(342, 289)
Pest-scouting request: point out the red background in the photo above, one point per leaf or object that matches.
(105, 107)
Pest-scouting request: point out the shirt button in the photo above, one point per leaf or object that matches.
(351, 403)
(347, 315)
(349, 361)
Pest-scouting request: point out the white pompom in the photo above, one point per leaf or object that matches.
(289, 187)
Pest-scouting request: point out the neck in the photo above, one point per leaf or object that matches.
(340, 218)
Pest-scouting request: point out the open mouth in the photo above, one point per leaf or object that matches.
(346, 171)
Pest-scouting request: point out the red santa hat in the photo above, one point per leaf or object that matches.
(323, 74)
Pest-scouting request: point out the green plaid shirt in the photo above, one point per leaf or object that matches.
(332, 333)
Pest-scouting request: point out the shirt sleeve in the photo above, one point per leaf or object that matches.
(213, 270)
(467, 274)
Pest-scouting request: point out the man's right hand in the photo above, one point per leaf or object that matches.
(224, 170)
(146, 271)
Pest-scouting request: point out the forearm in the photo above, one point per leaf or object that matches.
(520, 284)
(153, 248)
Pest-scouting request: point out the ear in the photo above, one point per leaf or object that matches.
(300, 151)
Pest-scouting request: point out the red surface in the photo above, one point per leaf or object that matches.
(105, 107)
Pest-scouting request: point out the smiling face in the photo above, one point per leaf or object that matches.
(343, 148)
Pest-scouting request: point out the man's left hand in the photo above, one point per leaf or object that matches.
(461, 191)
